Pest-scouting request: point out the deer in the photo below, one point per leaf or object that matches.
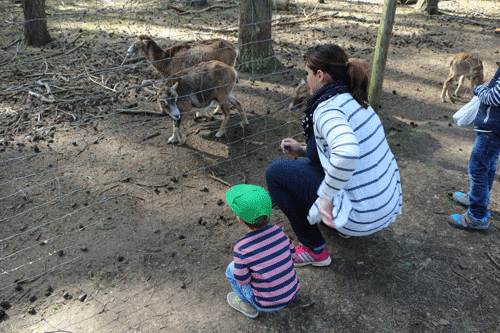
(183, 56)
(301, 94)
(198, 87)
(463, 65)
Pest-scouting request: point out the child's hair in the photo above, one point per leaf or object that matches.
(260, 223)
(331, 59)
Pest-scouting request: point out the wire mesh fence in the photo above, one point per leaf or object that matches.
(80, 176)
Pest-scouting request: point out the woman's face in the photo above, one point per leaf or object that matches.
(316, 81)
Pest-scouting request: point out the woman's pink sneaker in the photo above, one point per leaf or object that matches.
(308, 257)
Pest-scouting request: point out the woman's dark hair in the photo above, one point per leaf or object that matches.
(331, 59)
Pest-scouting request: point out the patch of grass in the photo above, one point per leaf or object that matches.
(104, 275)
(55, 306)
(436, 167)
(448, 201)
(144, 256)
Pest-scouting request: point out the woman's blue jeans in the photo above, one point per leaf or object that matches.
(244, 291)
(482, 169)
(293, 186)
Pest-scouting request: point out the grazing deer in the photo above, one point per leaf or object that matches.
(198, 87)
(301, 94)
(183, 56)
(463, 65)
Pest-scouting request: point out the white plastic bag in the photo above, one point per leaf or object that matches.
(467, 113)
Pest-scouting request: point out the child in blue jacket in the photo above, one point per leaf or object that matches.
(483, 160)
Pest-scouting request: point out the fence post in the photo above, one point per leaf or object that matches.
(380, 58)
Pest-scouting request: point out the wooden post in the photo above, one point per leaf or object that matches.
(381, 48)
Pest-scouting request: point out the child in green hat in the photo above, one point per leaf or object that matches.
(262, 274)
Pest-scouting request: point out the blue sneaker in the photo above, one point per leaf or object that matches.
(467, 222)
(461, 198)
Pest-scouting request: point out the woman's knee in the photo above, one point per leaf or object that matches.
(275, 169)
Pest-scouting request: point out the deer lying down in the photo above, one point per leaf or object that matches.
(183, 56)
(197, 87)
(463, 65)
(301, 94)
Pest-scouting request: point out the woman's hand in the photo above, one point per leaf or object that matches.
(292, 147)
(326, 209)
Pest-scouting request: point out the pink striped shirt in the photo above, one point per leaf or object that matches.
(263, 258)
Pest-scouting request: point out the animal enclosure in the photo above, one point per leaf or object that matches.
(104, 226)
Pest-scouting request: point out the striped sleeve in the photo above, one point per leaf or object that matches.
(293, 252)
(343, 149)
(241, 272)
(489, 96)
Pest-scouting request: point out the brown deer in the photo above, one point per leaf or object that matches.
(183, 56)
(463, 65)
(198, 87)
(301, 94)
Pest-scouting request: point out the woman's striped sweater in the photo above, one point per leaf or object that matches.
(361, 174)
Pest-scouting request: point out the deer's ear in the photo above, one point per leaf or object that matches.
(174, 87)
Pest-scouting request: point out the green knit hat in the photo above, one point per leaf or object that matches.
(249, 202)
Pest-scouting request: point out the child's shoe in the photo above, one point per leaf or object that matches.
(467, 222)
(244, 307)
(461, 198)
(308, 257)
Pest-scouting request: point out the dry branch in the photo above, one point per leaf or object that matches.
(51, 98)
(281, 24)
(102, 85)
(220, 180)
(493, 260)
(186, 12)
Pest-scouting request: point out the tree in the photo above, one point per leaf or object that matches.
(254, 36)
(35, 26)
(428, 6)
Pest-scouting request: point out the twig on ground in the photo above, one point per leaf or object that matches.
(102, 85)
(153, 186)
(108, 189)
(493, 260)
(51, 99)
(442, 213)
(280, 24)
(74, 39)
(463, 277)
(151, 136)
(13, 43)
(70, 51)
(220, 180)
(303, 306)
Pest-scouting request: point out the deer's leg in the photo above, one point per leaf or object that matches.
(236, 103)
(225, 111)
(460, 84)
(174, 130)
(446, 88)
(217, 110)
(177, 136)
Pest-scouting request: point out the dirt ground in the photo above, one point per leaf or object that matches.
(107, 228)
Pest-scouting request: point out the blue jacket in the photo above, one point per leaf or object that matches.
(488, 116)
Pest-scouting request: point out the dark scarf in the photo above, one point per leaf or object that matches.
(324, 93)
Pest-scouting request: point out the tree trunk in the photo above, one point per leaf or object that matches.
(35, 27)
(254, 37)
(428, 6)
